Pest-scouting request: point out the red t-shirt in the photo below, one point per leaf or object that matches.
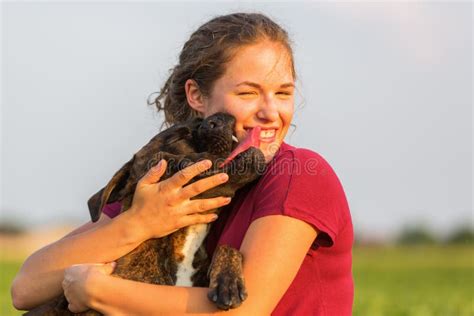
(298, 183)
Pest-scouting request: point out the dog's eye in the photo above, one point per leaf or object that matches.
(212, 124)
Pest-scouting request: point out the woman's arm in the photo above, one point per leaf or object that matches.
(158, 208)
(274, 248)
(39, 279)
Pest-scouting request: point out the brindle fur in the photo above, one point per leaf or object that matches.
(156, 260)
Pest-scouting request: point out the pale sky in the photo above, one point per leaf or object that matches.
(385, 95)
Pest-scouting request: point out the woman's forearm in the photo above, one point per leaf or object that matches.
(150, 299)
(40, 277)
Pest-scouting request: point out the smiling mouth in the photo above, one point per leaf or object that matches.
(266, 135)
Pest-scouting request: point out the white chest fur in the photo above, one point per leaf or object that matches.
(194, 238)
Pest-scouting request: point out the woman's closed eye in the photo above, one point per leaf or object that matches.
(284, 94)
(247, 93)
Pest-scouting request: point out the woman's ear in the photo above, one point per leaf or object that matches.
(194, 96)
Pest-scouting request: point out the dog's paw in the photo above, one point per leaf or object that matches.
(227, 287)
(229, 291)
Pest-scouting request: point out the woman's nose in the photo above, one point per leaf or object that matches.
(268, 110)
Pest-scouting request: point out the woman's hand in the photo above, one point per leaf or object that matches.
(163, 207)
(78, 283)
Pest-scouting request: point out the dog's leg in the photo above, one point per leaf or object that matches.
(201, 263)
(226, 288)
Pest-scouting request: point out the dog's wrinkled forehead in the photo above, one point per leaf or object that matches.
(218, 120)
(214, 133)
(216, 125)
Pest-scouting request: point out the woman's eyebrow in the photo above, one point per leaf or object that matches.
(287, 85)
(256, 85)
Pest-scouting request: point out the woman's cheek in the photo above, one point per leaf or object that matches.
(286, 110)
(242, 110)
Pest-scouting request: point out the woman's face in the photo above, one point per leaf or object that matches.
(258, 89)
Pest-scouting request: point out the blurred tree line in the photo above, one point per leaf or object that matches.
(9, 227)
(419, 235)
(409, 235)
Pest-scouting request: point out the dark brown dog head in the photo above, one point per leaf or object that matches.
(181, 145)
(215, 135)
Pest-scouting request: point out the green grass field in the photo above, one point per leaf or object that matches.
(8, 270)
(414, 281)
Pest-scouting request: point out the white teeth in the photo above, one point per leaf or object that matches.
(267, 133)
(235, 139)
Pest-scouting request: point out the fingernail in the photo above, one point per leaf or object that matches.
(214, 217)
(227, 200)
(207, 163)
(158, 166)
(224, 177)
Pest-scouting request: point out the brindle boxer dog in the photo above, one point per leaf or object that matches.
(180, 258)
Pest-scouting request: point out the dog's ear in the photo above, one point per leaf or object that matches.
(176, 133)
(111, 192)
(94, 205)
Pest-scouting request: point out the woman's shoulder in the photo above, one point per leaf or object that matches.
(301, 168)
(300, 183)
(300, 174)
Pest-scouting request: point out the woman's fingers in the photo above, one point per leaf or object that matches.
(196, 219)
(202, 205)
(154, 174)
(184, 176)
(203, 185)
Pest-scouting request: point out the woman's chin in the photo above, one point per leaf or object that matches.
(269, 150)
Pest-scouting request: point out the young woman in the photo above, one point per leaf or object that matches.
(293, 226)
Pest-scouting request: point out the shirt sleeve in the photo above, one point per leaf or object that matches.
(112, 209)
(303, 185)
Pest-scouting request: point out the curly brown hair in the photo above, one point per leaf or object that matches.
(204, 57)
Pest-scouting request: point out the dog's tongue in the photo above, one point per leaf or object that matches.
(252, 140)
